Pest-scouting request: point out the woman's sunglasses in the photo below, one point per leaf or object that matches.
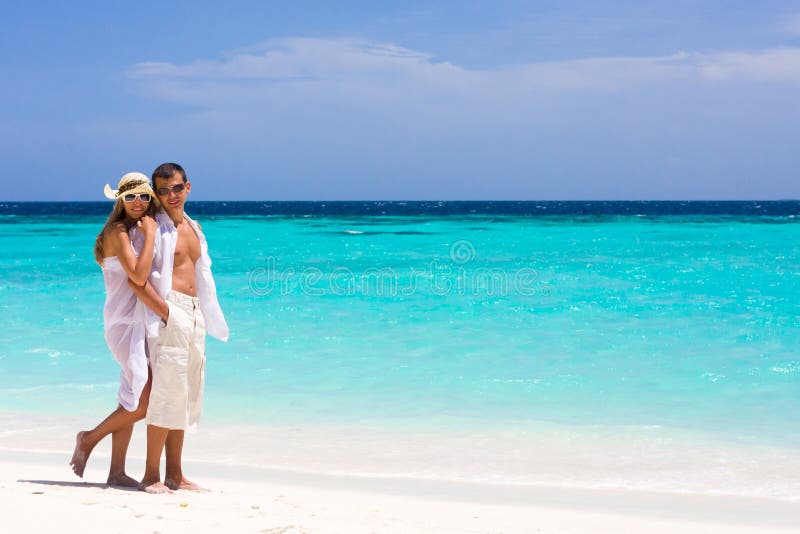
(130, 197)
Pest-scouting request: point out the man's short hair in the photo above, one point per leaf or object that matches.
(167, 171)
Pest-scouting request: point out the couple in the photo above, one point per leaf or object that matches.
(160, 298)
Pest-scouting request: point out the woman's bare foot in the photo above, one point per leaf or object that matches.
(185, 484)
(121, 479)
(154, 487)
(81, 454)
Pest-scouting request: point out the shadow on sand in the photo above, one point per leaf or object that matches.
(65, 484)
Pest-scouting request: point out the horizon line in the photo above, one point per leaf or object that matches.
(189, 202)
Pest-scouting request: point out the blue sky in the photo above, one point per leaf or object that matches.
(404, 100)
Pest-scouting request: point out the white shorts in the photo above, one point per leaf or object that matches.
(178, 362)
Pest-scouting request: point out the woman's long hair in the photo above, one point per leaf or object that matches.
(118, 215)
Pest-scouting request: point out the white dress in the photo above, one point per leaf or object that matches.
(120, 328)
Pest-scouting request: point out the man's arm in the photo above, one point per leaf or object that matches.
(151, 299)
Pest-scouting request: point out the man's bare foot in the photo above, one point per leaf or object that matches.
(185, 484)
(81, 455)
(121, 479)
(154, 487)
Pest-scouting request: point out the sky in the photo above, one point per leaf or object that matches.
(352, 100)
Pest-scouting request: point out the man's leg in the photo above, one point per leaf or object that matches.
(174, 449)
(166, 367)
(174, 478)
(195, 377)
(151, 482)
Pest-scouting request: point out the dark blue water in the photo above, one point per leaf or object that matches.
(780, 208)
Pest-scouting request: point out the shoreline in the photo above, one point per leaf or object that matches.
(646, 460)
(270, 500)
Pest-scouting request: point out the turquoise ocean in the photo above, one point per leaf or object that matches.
(641, 328)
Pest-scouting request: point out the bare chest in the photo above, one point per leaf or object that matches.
(187, 247)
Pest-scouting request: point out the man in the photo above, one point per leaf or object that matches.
(181, 303)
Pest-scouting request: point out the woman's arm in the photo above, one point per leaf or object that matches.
(148, 295)
(137, 269)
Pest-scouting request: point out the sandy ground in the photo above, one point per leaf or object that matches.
(39, 493)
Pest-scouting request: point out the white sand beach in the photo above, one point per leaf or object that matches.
(40, 494)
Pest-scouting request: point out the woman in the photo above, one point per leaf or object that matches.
(114, 252)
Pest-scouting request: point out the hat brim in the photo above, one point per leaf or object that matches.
(113, 194)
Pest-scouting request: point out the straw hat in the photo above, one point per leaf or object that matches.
(133, 182)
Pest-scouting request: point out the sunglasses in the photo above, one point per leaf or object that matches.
(130, 197)
(164, 191)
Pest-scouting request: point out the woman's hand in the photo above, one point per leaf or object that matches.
(147, 225)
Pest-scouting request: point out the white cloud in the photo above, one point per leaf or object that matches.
(391, 120)
(371, 70)
(773, 65)
(304, 59)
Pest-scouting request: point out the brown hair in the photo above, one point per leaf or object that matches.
(167, 171)
(117, 215)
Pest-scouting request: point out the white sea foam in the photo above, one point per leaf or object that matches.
(787, 368)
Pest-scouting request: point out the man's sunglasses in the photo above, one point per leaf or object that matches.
(130, 197)
(164, 191)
